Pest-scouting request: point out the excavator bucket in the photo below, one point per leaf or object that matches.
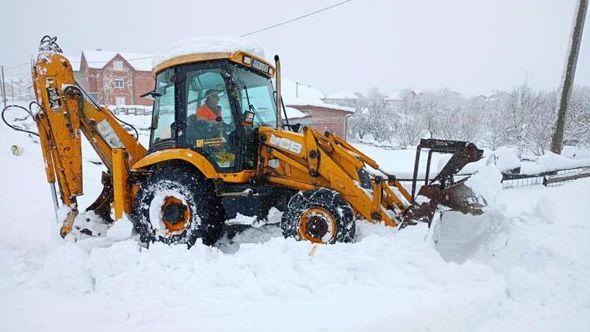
(443, 190)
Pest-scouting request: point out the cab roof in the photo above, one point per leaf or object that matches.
(207, 48)
(240, 57)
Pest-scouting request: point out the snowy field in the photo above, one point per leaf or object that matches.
(524, 265)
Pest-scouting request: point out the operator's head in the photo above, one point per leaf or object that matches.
(211, 98)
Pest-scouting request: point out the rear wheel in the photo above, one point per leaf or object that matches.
(319, 216)
(176, 205)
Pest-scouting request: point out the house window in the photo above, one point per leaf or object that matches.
(119, 100)
(118, 65)
(119, 83)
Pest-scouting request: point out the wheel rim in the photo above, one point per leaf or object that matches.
(169, 213)
(317, 225)
(175, 214)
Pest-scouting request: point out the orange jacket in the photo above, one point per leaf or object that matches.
(206, 113)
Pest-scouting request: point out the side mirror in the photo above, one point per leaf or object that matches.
(248, 118)
(296, 127)
(152, 94)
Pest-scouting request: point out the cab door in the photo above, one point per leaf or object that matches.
(209, 115)
(163, 127)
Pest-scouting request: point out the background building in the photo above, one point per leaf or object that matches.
(313, 110)
(115, 78)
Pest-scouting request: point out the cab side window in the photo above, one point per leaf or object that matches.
(163, 114)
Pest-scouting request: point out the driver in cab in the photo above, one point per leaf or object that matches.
(210, 110)
(210, 113)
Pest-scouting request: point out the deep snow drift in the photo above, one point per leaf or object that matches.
(522, 265)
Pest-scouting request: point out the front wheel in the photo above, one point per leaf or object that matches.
(176, 205)
(319, 216)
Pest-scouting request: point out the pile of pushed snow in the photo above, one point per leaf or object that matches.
(458, 235)
(486, 183)
(506, 158)
(208, 44)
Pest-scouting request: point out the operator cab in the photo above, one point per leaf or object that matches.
(213, 103)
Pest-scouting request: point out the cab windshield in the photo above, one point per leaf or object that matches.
(255, 93)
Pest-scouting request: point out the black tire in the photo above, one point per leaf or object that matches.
(323, 199)
(206, 218)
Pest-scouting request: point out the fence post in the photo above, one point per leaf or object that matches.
(3, 86)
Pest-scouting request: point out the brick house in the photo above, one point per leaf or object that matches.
(313, 110)
(116, 78)
(325, 117)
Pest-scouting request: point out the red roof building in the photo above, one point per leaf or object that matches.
(116, 78)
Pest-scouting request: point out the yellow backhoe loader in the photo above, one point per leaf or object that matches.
(219, 146)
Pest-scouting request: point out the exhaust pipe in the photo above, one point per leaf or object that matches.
(278, 97)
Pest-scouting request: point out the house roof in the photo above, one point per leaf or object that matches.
(301, 94)
(293, 113)
(292, 90)
(343, 95)
(98, 59)
(311, 103)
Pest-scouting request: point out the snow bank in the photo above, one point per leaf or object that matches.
(506, 158)
(208, 44)
(551, 162)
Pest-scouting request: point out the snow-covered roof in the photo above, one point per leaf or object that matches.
(293, 113)
(74, 61)
(207, 44)
(343, 95)
(98, 59)
(312, 102)
(301, 94)
(292, 90)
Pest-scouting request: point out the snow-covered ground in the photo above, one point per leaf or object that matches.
(522, 265)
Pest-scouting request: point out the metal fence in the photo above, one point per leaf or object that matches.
(131, 110)
(547, 179)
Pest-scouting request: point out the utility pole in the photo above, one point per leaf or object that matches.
(3, 85)
(568, 75)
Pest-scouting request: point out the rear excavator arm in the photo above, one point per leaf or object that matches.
(64, 114)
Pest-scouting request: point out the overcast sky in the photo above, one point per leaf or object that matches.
(469, 46)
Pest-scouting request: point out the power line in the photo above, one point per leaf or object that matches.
(297, 18)
(242, 35)
(142, 58)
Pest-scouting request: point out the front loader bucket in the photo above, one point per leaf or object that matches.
(442, 190)
(457, 197)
